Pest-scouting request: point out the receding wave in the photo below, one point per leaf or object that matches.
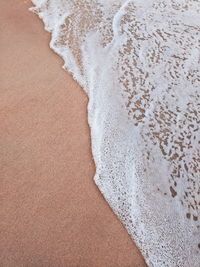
(139, 63)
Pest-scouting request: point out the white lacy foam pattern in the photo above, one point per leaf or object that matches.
(139, 62)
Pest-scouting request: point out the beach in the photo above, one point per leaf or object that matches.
(52, 213)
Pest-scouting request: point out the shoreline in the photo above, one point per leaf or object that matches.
(47, 168)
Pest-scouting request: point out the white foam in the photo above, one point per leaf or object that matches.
(139, 61)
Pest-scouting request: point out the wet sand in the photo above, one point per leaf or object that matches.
(52, 213)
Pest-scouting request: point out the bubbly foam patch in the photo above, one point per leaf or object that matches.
(139, 63)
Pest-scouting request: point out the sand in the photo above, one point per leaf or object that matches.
(52, 213)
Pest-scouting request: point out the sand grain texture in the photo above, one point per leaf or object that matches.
(52, 214)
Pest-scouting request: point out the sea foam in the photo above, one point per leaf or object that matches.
(139, 63)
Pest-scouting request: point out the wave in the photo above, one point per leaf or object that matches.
(138, 61)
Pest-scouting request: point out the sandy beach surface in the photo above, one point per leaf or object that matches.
(52, 213)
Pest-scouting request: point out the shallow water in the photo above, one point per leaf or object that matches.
(139, 62)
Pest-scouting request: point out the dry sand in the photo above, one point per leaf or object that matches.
(52, 213)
